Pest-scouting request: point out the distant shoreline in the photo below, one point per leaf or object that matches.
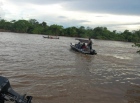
(3, 30)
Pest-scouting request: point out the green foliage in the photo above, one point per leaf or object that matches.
(55, 29)
(34, 27)
(21, 26)
(137, 45)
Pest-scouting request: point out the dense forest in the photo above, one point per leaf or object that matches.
(32, 26)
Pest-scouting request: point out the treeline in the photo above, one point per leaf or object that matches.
(32, 26)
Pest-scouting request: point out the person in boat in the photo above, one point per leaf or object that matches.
(83, 46)
(78, 45)
(89, 44)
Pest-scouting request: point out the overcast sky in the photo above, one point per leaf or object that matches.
(114, 14)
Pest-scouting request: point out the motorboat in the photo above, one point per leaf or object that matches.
(51, 37)
(82, 49)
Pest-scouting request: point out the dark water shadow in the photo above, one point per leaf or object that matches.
(133, 94)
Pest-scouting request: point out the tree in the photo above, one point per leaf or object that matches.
(44, 24)
(2, 23)
(33, 21)
(71, 31)
(81, 31)
(8, 26)
(56, 29)
(21, 26)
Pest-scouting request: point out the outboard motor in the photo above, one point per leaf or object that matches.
(93, 52)
(8, 94)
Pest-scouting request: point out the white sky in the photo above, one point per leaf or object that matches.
(118, 15)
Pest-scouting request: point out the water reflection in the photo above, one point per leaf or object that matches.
(83, 63)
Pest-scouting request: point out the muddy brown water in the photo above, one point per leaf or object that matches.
(51, 72)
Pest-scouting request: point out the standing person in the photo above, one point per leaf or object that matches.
(89, 44)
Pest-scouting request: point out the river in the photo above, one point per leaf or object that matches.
(51, 72)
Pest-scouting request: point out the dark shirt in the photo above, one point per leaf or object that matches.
(90, 44)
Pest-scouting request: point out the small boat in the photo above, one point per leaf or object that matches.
(50, 37)
(77, 47)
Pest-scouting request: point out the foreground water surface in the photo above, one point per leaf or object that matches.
(51, 72)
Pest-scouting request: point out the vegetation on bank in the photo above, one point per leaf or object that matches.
(137, 45)
(32, 26)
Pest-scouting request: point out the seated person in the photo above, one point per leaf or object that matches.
(83, 46)
(78, 45)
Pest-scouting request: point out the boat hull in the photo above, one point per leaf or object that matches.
(50, 37)
(75, 48)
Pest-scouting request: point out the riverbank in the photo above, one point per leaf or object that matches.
(3, 30)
